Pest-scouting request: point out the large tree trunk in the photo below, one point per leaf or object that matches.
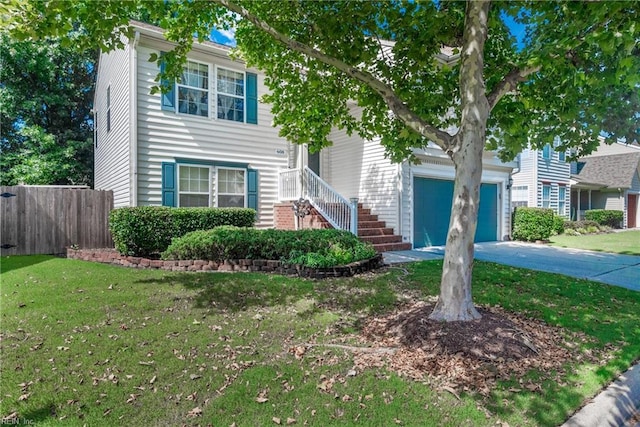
(455, 301)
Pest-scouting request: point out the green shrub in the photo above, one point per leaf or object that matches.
(558, 224)
(531, 224)
(312, 248)
(148, 230)
(593, 229)
(605, 217)
(574, 225)
(571, 232)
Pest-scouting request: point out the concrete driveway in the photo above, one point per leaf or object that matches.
(612, 269)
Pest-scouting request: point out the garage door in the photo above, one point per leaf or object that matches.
(432, 200)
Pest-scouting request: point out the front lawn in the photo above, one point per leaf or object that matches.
(94, 344)
(623, 242)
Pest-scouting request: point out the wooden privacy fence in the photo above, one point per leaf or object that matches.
(47, 219)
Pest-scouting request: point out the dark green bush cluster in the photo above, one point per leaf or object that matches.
(578, 228)
(312, 248)
(605, 217)
(558, 225)
(148, 230)
(575, 225)
(531, 224)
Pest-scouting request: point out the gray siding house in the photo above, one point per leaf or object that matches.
(209, 142)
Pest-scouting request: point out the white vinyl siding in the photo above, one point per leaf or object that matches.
(164, 136)
(112, 155)
(359, 169)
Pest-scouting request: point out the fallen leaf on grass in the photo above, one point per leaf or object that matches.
(261, 399)
(452, 391)
(24, 397)
(195, 412)
(276, 420)
(152, 380)
(291, 421)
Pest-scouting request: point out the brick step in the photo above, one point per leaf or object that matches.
(386, 247)
(367, 218)
(382, 239)
(364, 211)
(374, 232)
(371, 224)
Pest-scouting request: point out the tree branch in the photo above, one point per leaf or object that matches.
(395, 104)
(509, 83)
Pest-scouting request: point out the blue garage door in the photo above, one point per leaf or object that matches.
(432, 200)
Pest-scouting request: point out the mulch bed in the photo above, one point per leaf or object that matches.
(469, 356)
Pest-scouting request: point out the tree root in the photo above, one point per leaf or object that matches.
(370, 350)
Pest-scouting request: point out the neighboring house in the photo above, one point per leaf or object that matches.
(608, 179)
(542, 180)
(210, 142)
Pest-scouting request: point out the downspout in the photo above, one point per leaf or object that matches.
(133, 117)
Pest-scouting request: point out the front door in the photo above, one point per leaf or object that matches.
(314, 162)
(632, 208)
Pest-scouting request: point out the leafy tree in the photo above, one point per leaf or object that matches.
(575, 76)
(45, 111)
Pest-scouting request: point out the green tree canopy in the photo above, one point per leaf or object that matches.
(45, 111)
(575, 76)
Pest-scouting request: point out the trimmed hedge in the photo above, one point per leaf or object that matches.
(610, 218)
(531, 224)
(575, 225)
(311, 248)
(148, 230)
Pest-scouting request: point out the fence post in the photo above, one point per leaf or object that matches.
(354, 215)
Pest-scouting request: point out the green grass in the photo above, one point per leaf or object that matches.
(624, 242)
(94, 344)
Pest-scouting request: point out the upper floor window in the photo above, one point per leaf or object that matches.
(561, 154)
(546, 152)
(520, 193)
(230, 88)
(235, 93)
(193, 90)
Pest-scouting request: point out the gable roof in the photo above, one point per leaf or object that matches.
(614, 171)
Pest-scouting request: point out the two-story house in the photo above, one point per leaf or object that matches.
(209, 142)
(542, 180)
(609, 178)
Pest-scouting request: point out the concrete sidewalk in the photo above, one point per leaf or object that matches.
(612, 269)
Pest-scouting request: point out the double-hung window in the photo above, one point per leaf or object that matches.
(230, 93)
(546, 195)
(233, 95)
(231, 188)
(193, 186)
(193, 89)
(562, 200)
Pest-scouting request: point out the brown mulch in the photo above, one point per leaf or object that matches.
(471, 355)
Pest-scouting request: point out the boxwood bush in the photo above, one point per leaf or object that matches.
(531, 224)
(312, 248)
(148, 230)
(610, 218)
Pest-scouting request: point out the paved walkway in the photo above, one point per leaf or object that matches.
(612, 269)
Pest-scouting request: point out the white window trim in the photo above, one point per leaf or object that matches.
(217, 184)
(215, 86)
(542, 199)
(562, 201)
(176, 95)
(188, 165)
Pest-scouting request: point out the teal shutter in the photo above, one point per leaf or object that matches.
(168, 184)
(252, 98)
(168, 98)
(252, 189)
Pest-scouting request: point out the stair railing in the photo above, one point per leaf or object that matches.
(341, 213)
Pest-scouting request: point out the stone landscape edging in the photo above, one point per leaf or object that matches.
(111, 256)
